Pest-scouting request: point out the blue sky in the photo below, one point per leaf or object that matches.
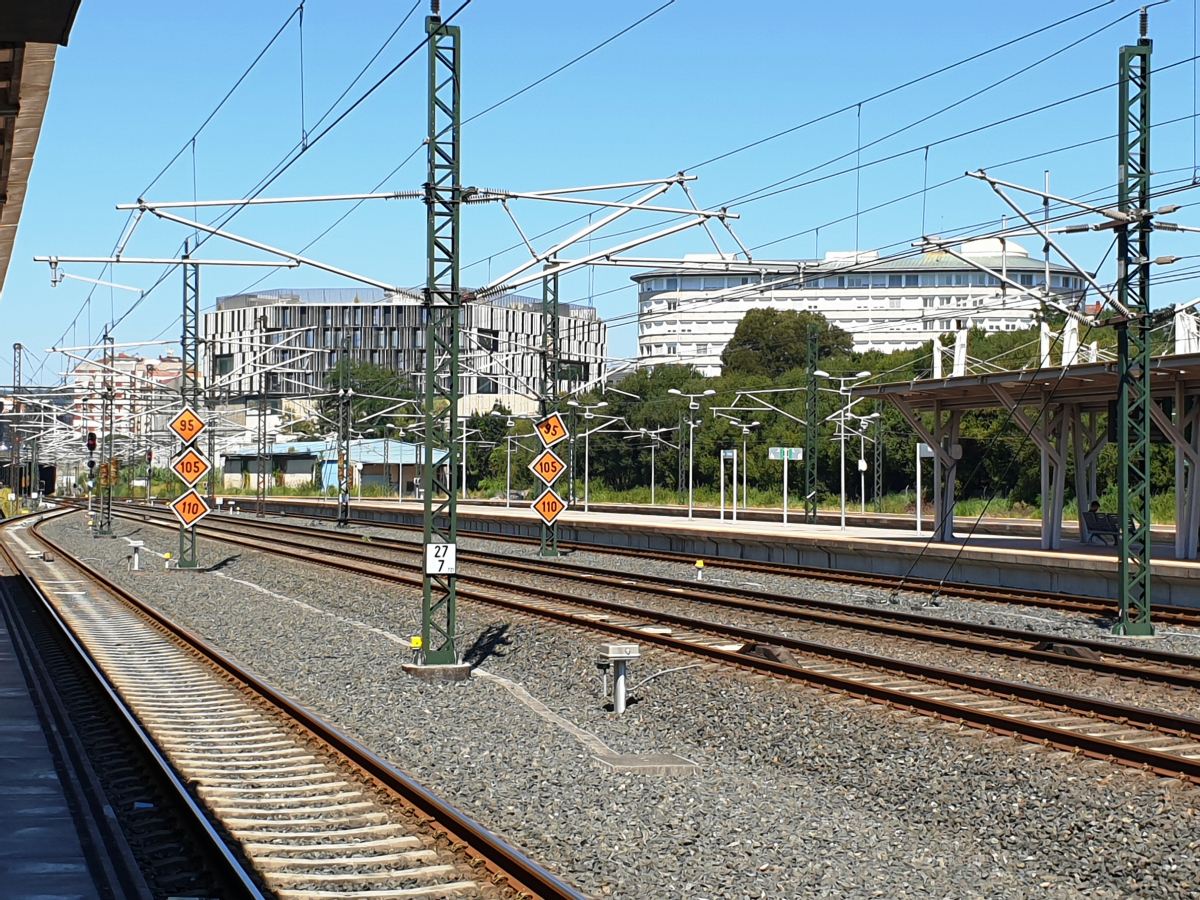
(698, 79)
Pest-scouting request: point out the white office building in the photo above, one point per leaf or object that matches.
(285, 342)
(689, 315)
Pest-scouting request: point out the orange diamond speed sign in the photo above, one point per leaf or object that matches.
(191, 466)
(549, 506)
(548, 467)
(187, 425)
(190, 508)
(551, 429)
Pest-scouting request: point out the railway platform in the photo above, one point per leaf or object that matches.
(1001, 560)
(40, 851)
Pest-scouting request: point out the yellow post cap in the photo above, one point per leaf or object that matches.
(166, 556)
(699, 564)
(416, 642)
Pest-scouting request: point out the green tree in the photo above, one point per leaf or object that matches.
(376, 389)
(772, 342)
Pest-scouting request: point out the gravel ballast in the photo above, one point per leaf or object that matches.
(801, 794)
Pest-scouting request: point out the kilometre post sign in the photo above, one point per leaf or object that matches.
(190, 508)
(187, 425)
(551, 429)
(549, 506)
(191, 466)
(548, 467)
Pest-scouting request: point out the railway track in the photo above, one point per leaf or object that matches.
(1155, 741)
(1097, 606)
(305, 808)
(1106, 657)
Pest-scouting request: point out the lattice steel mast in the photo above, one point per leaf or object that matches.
(443, 310)
(190, 380)
(107, 425)
(1133, 334)
(344, 408)
(14, 465)
(548, 402)
(811, 419)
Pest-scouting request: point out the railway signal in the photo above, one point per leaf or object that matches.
(91, 442)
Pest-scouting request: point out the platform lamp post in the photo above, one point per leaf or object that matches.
(745, 469)
(844, 405)
(693, 407)
(864, 422)
(654, 436)
(588, 415)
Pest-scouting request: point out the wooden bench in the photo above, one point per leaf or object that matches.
(1102, 525)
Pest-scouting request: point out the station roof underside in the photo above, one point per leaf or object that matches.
(1090, 385)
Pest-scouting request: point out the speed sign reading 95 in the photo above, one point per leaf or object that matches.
(187, 425)
(441, 559)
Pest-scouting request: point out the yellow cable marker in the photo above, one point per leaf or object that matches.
(416, 643)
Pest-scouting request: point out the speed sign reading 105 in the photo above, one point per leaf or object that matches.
(441, 559)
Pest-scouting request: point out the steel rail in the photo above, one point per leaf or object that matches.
(1089, 745)
(506, 863)
(235, 870)
(1180, 615)
(953, 633)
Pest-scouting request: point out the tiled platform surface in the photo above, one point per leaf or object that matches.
(40, 854)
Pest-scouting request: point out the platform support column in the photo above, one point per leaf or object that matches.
(1187, 464)
(945, 466)
(443, 313)
(1133, 340)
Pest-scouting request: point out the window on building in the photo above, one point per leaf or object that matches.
(894, 302)
(486, 385)
(1025, 278)
(945, 325)
(489, 341)
(692, 284)
(672, 305)
(702, 349)
(646, 286)
(672, 349)
(714, 284)
(912, 280)
(224, 364)
(672, 284)
(926, 302)
(944, 301)
(895, 281)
